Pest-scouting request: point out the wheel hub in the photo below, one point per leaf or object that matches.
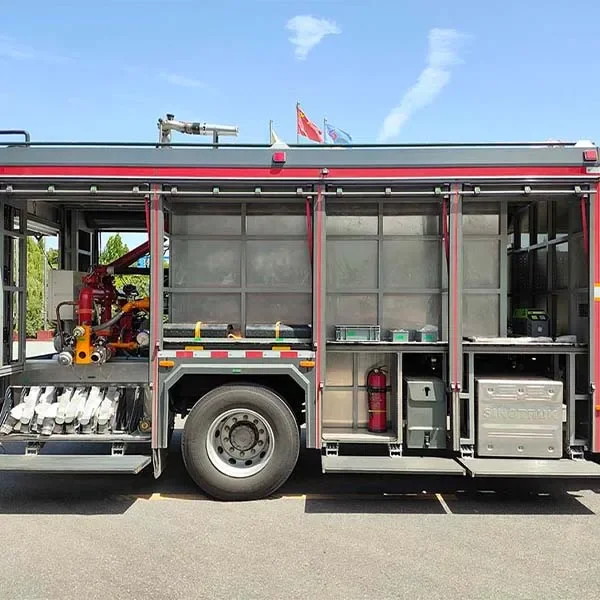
(243, 437)
(240, 442)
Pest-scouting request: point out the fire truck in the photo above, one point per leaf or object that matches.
(428, 309)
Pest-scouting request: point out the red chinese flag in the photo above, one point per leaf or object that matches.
(307, 128)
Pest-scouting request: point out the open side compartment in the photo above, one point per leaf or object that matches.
(525, 395)
(522, 296)
(253, 286)
(386, 266)
(345, 407)
(386, 290)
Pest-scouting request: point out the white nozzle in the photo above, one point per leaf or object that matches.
(169, 124)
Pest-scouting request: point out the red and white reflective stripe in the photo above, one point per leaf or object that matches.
(244, 354)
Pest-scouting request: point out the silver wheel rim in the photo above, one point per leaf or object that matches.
(240, 443)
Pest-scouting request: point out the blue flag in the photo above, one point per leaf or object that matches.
(338, 136)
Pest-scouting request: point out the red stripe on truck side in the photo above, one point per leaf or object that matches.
(288, 355)
(254, 354)
(219, 354)
(156, 172)
(184, 354)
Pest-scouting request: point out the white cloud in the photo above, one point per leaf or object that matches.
(14, 50)
(443, 54)
(184, 81)
(308, 32)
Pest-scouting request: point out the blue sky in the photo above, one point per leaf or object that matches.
(107, 70)
(384, 70)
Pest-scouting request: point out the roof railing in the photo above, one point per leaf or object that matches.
(318, 147)
(22, 132)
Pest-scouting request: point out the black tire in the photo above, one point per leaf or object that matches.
(273, 409)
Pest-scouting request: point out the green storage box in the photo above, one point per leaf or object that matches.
(402, 335)
(357, 333)
(428, 334)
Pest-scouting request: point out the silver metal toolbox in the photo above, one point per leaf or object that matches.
(519, 417)
(425, 412)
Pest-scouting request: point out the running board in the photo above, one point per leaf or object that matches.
(74, 463)
(529, 467)
(405, 465)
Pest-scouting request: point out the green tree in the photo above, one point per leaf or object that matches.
(52, 256)
(115, 248)
(36, 259)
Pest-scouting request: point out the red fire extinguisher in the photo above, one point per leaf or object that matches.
(376, 393)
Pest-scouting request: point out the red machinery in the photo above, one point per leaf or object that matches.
(377, 404)
(99, 334)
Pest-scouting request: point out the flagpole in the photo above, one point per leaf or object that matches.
(270, 131)
(297, 134)
(324, 130)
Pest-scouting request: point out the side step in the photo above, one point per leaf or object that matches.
(430, 465)
(74, 463)
(529, 467)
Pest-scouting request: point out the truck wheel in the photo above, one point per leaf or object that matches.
(240, 442)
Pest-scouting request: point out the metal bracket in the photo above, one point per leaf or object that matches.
(118, 449)
(395, 450)
(467, 451)
(32, 448)
(575, 452)
(331, 448)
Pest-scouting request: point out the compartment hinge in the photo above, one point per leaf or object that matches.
(118, 449)
(467, 451)
(395, 450)
(575, 452)
(331, 448)
(32, 448)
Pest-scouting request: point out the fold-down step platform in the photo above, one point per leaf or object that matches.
(430, 465)
(74, 463)
(524, 467)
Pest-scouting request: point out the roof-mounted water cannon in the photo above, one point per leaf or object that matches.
(169, 124)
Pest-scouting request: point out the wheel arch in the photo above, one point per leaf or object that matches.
(186, 383)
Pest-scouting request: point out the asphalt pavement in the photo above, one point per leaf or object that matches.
(321, 536)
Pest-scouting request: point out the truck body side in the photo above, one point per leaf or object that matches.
(467, 275)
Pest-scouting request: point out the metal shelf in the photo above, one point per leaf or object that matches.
(529, 467)
(418, 347)
(527, 348)
(75, 463)
(171, 342)
(357, 436)
(413, 465)
(82, 438)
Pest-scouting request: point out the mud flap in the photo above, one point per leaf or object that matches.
(159, 461)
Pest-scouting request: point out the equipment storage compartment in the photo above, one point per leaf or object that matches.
(384, 268)
(360, 397)
(519, 417)
(245, 263)
(425, 412)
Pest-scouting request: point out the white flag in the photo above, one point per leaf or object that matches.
(275, 141)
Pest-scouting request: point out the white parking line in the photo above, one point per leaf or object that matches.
(444, 504)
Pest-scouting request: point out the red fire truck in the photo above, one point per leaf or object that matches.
(437, 305)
